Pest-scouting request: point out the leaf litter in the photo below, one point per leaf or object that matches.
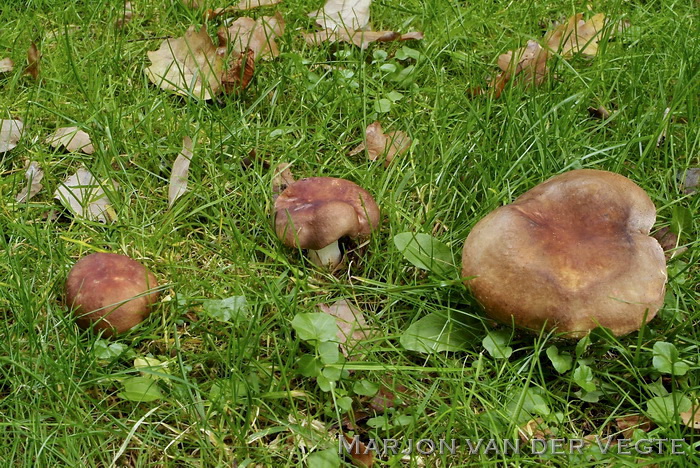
(72, 139)
(34, 175)
(352, 327)
(180, 171)
(85, 197)
(378, 144)
(10, 134)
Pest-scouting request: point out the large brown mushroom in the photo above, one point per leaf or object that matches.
(314, 213)
(110, 292)
(571, 254)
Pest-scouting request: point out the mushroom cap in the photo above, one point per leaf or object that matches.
(573, 253)
(110, 292)
(315, 212)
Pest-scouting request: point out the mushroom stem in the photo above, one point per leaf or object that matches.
(328, 257)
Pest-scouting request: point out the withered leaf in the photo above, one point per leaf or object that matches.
(10, 134)
(85, 197)
(352, 327)
(385, 399)
(691, 418)
(599, 112)
(248, 34)
(126, 15)
(240, 72)
(243, 5)
(627, 424)
(349, 15)
(34, 174)
(669, 242)
(534, 429)
(72, 139)
(576, 36)
(188, 65)
(282, 178)
(690, 180)
(33, 58)
(361, 39)
(6, 65)
(359, 454)
(530, 62)
(378, 144)
(181, 168)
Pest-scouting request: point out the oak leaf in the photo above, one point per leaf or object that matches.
(248, 34)
(85, 197)
(576, 36)
(352, 327)
(10, 134)
(378, 144)
(349, 15)
(34, 174)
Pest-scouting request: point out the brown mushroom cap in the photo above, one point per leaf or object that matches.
(110, 292)
(572, 253)
(315, 212)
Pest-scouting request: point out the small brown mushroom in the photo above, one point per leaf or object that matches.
(573, 253)
(110, 292)
(314, 213)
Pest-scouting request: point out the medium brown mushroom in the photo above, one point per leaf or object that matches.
(315, 213)
(571, 254)
(110, 292)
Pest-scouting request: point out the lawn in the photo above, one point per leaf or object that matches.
(250, 381)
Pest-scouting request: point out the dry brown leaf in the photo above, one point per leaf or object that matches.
(187, 65)
(6, 65)
(243, 5)
(669, 242)
(385, 398)
(126, 15)
(599, 112)
(627, 424)
(34, 174)
(534, 429)
(191, 3)
(85, 197)
(361, 39)
(378, 144)
(576, 36)
(282, 178)
(240, 73)
(72, 139)
(352, 327)
(359, 454)
(10, 133)
(181, 168)
(690, 180)
(33, 58)
(248, 34)
(530, 62)
(691, 418)
(348, 15)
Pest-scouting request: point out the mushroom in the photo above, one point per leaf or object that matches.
(110, 292)
(314, 213)
(571, 254)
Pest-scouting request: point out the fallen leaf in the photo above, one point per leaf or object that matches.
(85, 197)
(691, 418)
(191, 3)
(33, 58)
(6, 65)
(178, 176)
(281, 178)
(385, 398)
(534, 429)
(662, 136)
(71, 138)
(34, 174)
(361, 39)
(627, 424)
(576, 36)
(378, 144)
(530, 62)
(125, 16)
(669, 242)
(240, 73)
(599, 112)
(352, 327)
(248, 34)
(188, 65)
(358, 452)
(10, 133)
(349, 15)
(243, 5)
(689, 180)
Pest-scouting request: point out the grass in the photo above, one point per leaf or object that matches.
(232, 393)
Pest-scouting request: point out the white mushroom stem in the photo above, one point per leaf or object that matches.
(328, 257)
